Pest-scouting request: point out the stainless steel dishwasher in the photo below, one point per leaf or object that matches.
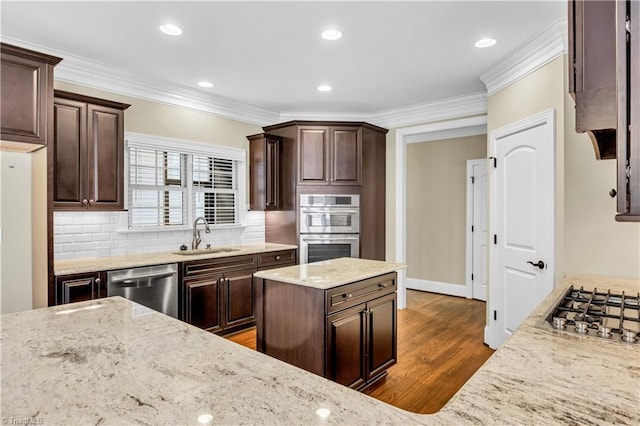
(155, 287)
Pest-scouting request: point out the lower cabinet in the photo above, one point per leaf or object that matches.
(347, 334)
(80, 287)
(361, 342)
(218, 294)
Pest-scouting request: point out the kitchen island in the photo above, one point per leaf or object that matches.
(111, 361)
(336, 318)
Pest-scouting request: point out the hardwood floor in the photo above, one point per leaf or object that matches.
(440, 346)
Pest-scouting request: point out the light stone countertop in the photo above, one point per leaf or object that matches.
(330, 273)
(111, 361)
(95, 264)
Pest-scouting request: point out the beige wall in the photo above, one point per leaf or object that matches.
(436, 207)
(594, 242)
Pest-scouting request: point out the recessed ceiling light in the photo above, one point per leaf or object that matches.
(170, 29)
(325, 88)
(205, 84)
(485, 42)
(331, 35)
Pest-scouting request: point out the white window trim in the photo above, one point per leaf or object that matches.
(141, 140)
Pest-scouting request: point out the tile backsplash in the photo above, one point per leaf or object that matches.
(79, 235)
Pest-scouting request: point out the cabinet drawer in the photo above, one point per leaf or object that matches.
(219, 264)
(276, 258)
(349, 295)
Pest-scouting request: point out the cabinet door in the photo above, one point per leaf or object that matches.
(80, 287)
(346, 347)
(105, 146)
(238, 294)
(313, 151)
(69, 153)
(272, 173)
(24, 96)
(201, 302)
(346, 156)
(382, 339)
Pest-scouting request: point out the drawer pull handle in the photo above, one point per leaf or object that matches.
(347, 296)
(383, 285)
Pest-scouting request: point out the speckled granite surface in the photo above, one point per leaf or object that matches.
(111, 361)
(94, 264)
(330, 273)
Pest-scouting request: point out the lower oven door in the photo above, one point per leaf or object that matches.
(318, 247)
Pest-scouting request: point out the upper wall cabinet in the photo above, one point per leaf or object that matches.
(88, 150)
(604, 57)
(592, 72)
(628, 97)
(264, 171)
(330, 155)
(26, 95)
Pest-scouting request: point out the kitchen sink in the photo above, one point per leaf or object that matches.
(212, 250)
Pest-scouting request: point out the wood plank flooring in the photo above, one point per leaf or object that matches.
(440, 346)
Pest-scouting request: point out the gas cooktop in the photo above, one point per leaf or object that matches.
(603, 314)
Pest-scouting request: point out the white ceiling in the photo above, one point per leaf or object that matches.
(270, 54)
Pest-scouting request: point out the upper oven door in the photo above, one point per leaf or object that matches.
(322, 220)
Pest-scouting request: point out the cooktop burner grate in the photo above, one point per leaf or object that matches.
(605, 314)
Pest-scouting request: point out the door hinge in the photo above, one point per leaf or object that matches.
(471, 277)
(495, 239)
(473, 180)
(495, 161)
(495, 315)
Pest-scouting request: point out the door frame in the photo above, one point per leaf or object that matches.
(543, 118)
(428, 132)
(470, 208)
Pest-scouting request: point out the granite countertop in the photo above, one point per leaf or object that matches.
(111, 361)
(95, 264)
(330, 273)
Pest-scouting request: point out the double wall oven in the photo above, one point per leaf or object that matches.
(329, 226)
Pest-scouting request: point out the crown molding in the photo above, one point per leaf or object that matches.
(77, 70)
(443, 109)
(540, 49)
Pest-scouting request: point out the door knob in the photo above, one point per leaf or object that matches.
(539, 263)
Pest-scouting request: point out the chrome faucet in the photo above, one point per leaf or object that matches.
(195, 242)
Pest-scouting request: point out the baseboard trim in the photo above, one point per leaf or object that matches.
(437, 287)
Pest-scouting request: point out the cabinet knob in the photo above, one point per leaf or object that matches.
(383, 285)
(91, 201)
(85, 201)
(98, 280)
(278, 257)
(613, 193)
(347, 296)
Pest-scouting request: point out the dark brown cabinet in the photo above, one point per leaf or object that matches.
(592, 74)
(201, 302)
(80, 287)
(361, 342)
(218, 294)
(347, 334)
(26, 95)
(88, 153)
(264, 171)
(330, 155)
(604, 62)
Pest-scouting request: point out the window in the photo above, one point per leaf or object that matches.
(170, 187)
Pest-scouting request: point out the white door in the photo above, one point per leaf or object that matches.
(479, 229)
(522, 194)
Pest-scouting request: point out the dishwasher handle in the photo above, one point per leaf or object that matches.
(132, 279)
